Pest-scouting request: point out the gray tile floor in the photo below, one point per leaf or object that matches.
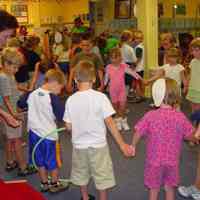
(129, 172)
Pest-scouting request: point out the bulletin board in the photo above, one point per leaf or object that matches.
(20, 11)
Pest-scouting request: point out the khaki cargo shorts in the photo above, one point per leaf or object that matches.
(93, 163)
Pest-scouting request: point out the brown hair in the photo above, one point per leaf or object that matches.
(55, 75)
(126, 35)
(195, 43)
(115, 52)
(172, 94)
(85, 71)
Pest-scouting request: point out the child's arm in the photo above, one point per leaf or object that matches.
(9, 119)
(69, 82)
(135, 141)
(68, 126)
(6, 100)
(125, 148)
(158, 74)
(184, 81)
(100, 74)
(133, 73)
(35, 76)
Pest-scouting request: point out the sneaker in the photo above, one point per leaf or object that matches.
(91, 197)
(44, 187)
(32, 169)
(58, 187)
(190, 191)
(118, 123)
(24, 172)
(124, 124)
(10, 166)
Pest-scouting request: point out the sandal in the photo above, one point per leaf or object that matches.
(10, 166)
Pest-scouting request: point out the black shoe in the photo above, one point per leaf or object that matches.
(24, 172)
(44, 187)
(91, 197)
(32, 169)
(11, 166)
(58, 187)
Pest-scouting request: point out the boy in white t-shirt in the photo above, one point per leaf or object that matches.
(44, 109)
(87, 113)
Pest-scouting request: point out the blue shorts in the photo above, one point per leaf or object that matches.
(45, 154)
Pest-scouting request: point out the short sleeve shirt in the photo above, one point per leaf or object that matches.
(86, 111)
(8, 87)
(164, 130)
(173, 72)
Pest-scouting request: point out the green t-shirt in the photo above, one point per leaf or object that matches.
(81, 29)
(111, 43)
(195, 75)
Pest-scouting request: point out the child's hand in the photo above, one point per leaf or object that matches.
(145, 82)
(127, 150)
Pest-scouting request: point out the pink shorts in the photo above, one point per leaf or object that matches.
(157, 176)
(118, 96)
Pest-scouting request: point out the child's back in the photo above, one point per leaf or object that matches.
(41, 118)
(87, 110)
(165, 129)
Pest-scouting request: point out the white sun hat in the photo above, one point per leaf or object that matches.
(158, 91)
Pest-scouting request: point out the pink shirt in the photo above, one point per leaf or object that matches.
(116, 76)
(165, 129)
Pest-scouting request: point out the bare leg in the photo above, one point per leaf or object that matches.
(103, 195)
(9, 151)
(153, 194)
(43, 174)
(84, 192)
(169, 193)
(54, 175)
(19, 153)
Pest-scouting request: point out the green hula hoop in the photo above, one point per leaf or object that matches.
(38, 143)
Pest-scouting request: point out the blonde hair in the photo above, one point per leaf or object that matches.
(115, 52)
(172, 94)
(55, 75)
(195, 43)
(138, 34)
(174, 52)
(11, 55)
(85, 71)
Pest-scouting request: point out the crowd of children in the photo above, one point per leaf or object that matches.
(84, 69)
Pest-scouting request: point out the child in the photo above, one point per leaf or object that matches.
(11, 61)
(194, 86)
(44, 107)
(165, 129)
(172, 70)
(140, 54)
(87, 54)
(39, 73)
(87, 112)
(115, 72)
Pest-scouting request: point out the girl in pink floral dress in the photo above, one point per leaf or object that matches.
(115, 74)
(164, 129)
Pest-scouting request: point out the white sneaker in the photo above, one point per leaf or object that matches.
(118, 123)
(124, 124)
(190, 191)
